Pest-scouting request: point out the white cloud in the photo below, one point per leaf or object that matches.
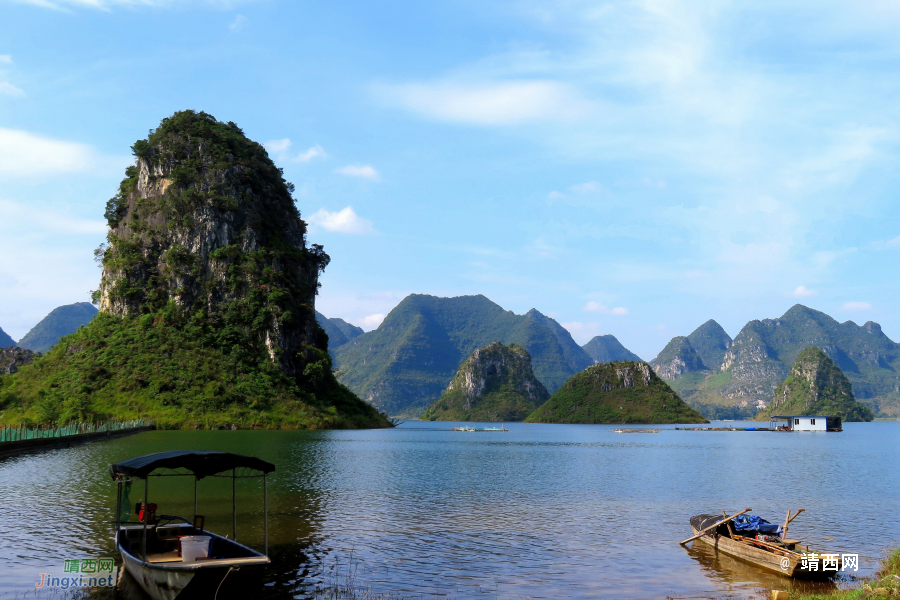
(19, 217)
(586, 188)
(108, 4)
(803, 292)
(364, 171)
(342, 221)
(238, 23)
(278, 146)
(8, 89)
(26, 154)
(854, 306)
(489, 103)
(373, 321)
(5, 59)
(311, 154)
(604, 310)
(281, 147)
(555, 195)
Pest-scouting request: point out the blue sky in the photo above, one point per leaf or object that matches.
(632, 168)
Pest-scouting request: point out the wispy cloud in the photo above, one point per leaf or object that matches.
(8, 89)
(342, 221)
(18, 217)
(487, 103)
(855, 306)
(373, 321)
(802, 291)
(603, 309)
(6, 59)
(238, 23)
(109, 4)
(310, 154)
(586, 188)
(363, 171)
(24, 154)
(280, 148)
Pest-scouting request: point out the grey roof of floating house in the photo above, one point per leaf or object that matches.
(199, 462)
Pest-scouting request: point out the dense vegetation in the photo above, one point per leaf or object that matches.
(816, 386)
(496, 383)
(61, 321)
(618, 392)
(761, 355)
(207, 300)
(606, 348)
(405, 364)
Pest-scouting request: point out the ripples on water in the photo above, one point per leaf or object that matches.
(541, 511)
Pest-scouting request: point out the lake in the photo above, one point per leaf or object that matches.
(540, 511)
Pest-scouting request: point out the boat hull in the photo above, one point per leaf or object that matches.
(204, 579)
(785, 564)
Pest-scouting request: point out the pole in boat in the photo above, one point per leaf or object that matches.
(266, 511)
(195, 500)
(118, 509)
(233, 508)
(714, 525)
(145, 519)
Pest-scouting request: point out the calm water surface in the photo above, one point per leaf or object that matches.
(541, 511)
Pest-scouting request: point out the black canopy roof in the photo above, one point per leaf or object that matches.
(200, 462)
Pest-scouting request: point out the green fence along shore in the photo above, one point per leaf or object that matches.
(16, 440)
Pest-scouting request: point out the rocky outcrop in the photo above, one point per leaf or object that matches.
(677, 358)
(496, 383)
(206, 221)
(617, 392)
(816, 386)
(12, 358)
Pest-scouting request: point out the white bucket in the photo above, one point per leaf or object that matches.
(194, 547)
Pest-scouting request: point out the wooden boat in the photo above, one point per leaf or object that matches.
(778, 555)
(155, 549)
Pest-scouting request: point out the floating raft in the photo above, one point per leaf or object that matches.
(637, 430)
(725, 428)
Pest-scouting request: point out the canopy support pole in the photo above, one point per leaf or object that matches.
(233, 507)
(118, 508)
(195, 499)
(266, 510)
(145, 519)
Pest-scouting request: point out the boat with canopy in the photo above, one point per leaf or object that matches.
(172, 557)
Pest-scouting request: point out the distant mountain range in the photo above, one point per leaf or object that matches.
(606, 348)
(339, 331)
(5, 340)
(61, 321)
(719, 376)
(405, 364)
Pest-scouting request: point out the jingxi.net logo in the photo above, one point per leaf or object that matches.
(81, 573)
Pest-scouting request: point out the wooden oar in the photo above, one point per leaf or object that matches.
(714, 525)
(787, 521)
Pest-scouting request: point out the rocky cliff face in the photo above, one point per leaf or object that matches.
(12, 358)
(816, 386)
(677, 358)
(206, 221)
(496, 383)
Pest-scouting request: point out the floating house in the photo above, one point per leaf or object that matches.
(805, 423)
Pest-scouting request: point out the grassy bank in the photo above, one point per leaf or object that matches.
(885, 584)
(184, 372)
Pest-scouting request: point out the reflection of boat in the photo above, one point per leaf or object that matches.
(171, 557)
(770, 552)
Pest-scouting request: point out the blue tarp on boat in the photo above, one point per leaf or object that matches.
(754, 523)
